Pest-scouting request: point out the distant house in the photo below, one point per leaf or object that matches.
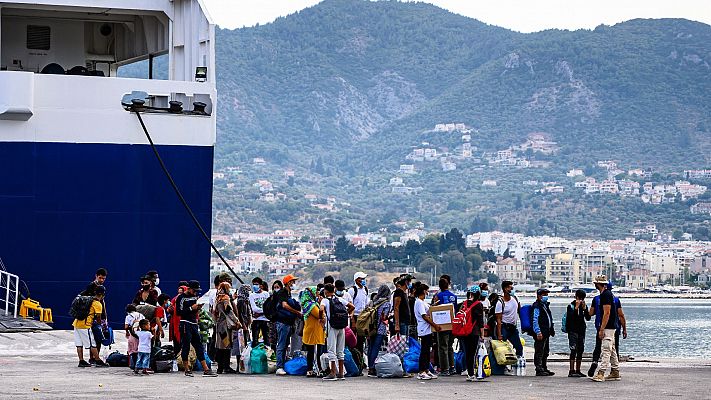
(701, 208)
(488, 182)
(574, 172)
(407, 169)
(448, 166)
(258, 161)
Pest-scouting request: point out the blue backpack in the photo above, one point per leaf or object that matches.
(526, 317)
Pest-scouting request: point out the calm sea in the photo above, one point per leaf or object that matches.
(664, 328)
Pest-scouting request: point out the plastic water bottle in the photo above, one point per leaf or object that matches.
(522, 362)
(175, 366)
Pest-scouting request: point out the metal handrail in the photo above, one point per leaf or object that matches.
(9, 293)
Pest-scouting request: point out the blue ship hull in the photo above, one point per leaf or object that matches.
(67, 209)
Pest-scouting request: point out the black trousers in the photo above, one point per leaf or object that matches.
(263, 327)
(598, 347)
(425, 350)
(314, 350)
(540, 358)
(190, 334)
(471, 344)
(223, 359)
(576, 343)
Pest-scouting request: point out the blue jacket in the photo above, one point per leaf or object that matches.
(542, 319)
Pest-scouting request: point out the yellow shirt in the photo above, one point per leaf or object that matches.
(94, 310)
(313, 331)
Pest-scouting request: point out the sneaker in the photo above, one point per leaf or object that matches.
(147, 373)
(136, 372)
(614, 375)
(580, 374)
(372, 373)
(92, 361)
(445, 373)
(341, 377)
(100, 364)
(209, 373)
(471, 378)
(572, 374)
(549, 372)
(83, 364)
(432, 375)
(330, 377)
(424, 376)
(599, 377)
(280, 371)
(464, 373)
(591, 371)
(452, 371)
(189, 374)
(542, 373)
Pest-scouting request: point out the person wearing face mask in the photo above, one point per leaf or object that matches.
(360, 298)
(288, 309)
(260, 323)
(155, 281)
(145, 294)
(544, 330)
(575, 316)
(506, 310)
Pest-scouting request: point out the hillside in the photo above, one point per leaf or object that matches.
(339, 94)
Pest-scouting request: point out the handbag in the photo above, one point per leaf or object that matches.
(398, 345)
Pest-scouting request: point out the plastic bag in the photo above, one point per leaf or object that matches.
(351, 340)
(388, 365)
(397, 345)
(258, 360)
(459, 361)
(504, 352)
(350, 365)
(245, 357)
(271, 359)
(296, 366)
(411, 359)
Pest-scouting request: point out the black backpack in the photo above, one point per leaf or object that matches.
(338, 314)
(81, 306)
(270, 308)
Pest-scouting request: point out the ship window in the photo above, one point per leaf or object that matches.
(38, 37)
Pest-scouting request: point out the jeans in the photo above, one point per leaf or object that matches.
(283, 336)
(510, 332)
(190, 335)
(374, 349)
(576, 343)
(445, 351)
(540, 358)
(263, 327)
(425, 350)
(609, 355)
(143, 361)
(470, 347)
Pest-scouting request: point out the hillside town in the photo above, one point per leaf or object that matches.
(638, 265)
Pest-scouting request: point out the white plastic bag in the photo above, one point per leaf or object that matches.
(388, 365)
(244, 359)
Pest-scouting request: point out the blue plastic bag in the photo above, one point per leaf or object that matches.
(198, 365)
(411, 359)
(459, 361)
(350, 365)
(296, 366)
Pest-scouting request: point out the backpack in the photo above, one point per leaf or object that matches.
(462, 324)
(270, 308)
(563, 326)
(526, 317)
(81, 306)
(147, 310)
(367, 323)
(338, 318)
(355, 291)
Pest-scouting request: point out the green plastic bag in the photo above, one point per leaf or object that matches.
(258, 360)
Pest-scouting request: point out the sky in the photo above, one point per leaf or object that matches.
(518, 15)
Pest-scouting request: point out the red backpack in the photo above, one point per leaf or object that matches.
(463, 324)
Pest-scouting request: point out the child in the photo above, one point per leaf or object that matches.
(133, 317)
(576, 315)
(144, 336)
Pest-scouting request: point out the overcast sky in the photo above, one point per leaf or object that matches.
(519, 15)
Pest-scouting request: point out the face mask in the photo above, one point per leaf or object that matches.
(484, 293)
(167, 304)
(146, 287)
(512, 292)
(409, 285)
(157, 281)
(293, 287)
(256, 288)
(363, 282)
(544, 299)
(339, 293)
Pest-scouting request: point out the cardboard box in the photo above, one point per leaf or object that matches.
(442, 315)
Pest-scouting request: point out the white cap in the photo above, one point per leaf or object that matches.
(359, 275)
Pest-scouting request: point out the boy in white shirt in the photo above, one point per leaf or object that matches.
(144, 336)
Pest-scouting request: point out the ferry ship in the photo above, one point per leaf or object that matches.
(80, 186)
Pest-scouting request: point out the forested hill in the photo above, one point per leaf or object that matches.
(340, 93)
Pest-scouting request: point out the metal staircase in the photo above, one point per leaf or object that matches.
(10, 302)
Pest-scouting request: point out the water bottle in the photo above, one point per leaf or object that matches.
(522, 360)
(175, 366)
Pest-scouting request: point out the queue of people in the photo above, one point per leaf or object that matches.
(323, 322)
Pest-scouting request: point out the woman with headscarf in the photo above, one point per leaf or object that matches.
(314, 337)
(244, 310)
(226, 320)
(381, 302)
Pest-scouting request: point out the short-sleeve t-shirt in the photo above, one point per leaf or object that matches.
(144, 341)
(606, 298)
(132, 319)
(94, 310)
(360, 299)
(447, 297)
(509, 310)
(327, 305)
(422, 308)
(403, 308)
(256, 300)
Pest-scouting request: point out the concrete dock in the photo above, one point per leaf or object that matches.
(44, 366)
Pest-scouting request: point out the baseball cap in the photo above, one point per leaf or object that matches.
(195, 285)
(288, 279)
(359, 274)
(542, 291)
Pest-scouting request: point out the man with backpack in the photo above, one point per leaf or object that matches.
(86, 315)
(98, 330)
(507, 309)
(334, 316)
(287, 310)
(543, 330)
(359, 294)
